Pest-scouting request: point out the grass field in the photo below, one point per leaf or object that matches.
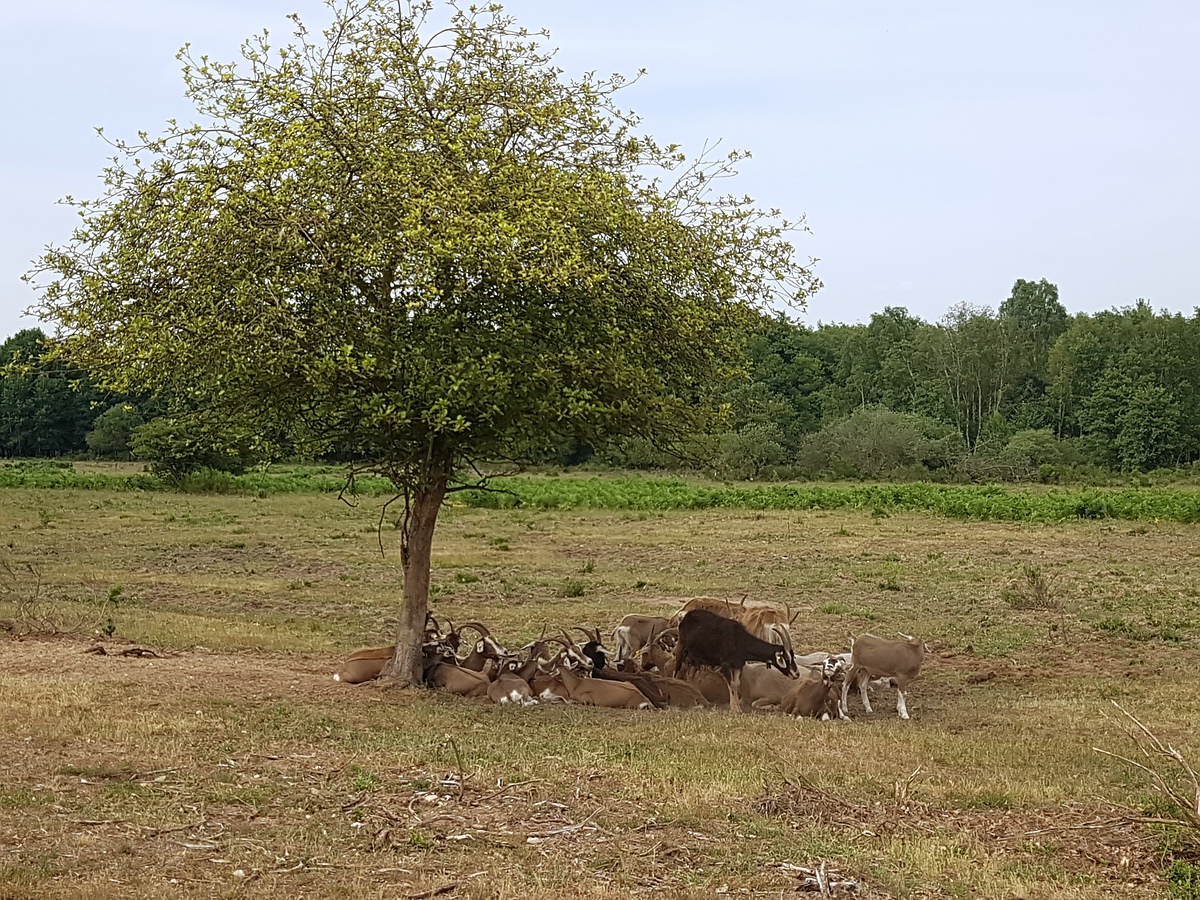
(233, 766)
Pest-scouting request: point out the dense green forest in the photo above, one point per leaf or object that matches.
(1022, 392)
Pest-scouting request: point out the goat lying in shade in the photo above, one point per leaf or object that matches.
(816, 695)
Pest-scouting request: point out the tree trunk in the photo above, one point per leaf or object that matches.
(416, 557)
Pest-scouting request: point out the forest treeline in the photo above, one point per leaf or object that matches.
(1024, 391)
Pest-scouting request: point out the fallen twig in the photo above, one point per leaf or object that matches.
(1151, 746)
(433, 892)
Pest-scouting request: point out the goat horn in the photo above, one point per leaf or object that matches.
(570, 643)
(477, 626)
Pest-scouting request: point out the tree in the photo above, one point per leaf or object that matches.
(1034, 319)
(109, 437)
(424, 248)
(44, 410)
(972, 352)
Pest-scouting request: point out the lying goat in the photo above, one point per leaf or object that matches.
(871, 658)
(596, 692)
(816, 695)
(709, 639)
(364, 664)
(509, 687)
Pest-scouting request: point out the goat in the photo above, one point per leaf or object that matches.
(457, 680)
(708, 684)
(718, 605)
(763, 686)
(597, 653)
(769, 624)
(872, 658)
(816, 695)
(364, 664)
(510, 687)
(709, 639)
(634, 632)
(484, 649)
(595, 692)
(655, 655)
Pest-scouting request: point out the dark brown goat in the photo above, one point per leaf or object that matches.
(709, 639)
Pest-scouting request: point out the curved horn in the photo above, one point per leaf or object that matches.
(567, 637)
(477, 626)
(673, 631)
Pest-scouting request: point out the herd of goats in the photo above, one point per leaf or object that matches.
(710, 653)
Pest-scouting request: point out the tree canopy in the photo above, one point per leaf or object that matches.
(413, 240)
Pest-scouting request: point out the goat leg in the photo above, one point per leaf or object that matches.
(862, 692)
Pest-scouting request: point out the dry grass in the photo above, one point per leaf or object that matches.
(235, 767)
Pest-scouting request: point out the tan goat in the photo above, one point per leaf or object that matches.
(871, 657)
(634, 632)
(816, 695)
(464, 682)
(364, 664)
(597, 692)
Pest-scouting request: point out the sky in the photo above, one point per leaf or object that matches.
(939, 150)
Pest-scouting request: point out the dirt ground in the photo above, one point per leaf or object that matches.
(430, 831)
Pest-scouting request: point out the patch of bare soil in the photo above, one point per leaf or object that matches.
(248, 675)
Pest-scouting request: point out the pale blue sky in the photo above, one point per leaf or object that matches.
(941, 150)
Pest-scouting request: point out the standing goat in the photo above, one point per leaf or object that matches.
(873, 658)
(709, 639)
(634, 632)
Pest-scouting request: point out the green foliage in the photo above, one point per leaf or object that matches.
(112, 431)
(492, 268)
(45, 409)
(1183, 880)
(874, 441)
(179, 448)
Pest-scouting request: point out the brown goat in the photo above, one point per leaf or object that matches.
(816, 695)
(872, 658)
(364, 664)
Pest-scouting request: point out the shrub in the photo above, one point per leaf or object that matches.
(874, 441)
(1029, 451)
(112, 429)
(176, 448)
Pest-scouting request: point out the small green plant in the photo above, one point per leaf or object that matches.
(420, 840)
(891, 583)
(466, 577)
(589, 568)
(362, 780)
(1183, 880)
(573, 587)
(500, 543)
